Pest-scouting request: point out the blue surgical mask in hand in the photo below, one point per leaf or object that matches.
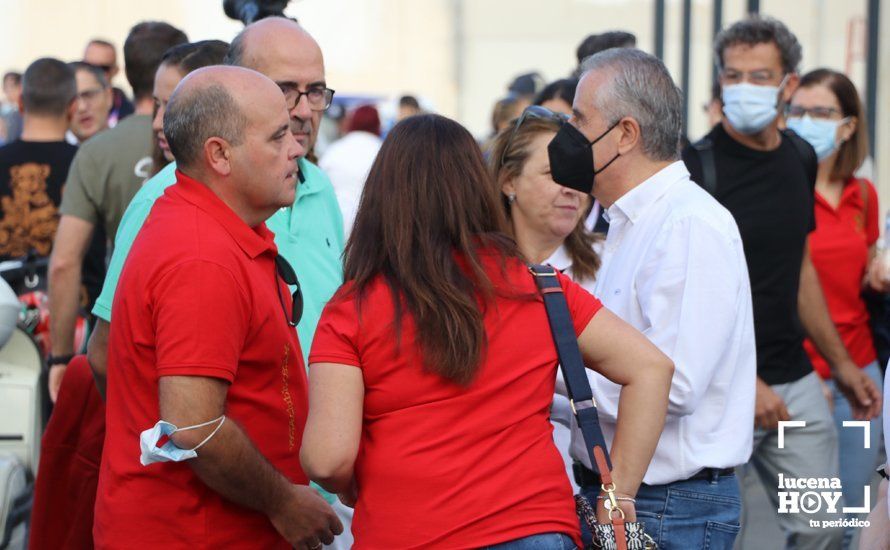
(821, 134)
(750, 108)
(169, 452)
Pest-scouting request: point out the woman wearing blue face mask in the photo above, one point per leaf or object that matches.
(826, 111)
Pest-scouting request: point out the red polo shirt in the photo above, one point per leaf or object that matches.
(839, 249)
(198, 296)
(443, 466)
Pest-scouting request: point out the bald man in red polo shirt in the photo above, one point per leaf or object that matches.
(207, 393)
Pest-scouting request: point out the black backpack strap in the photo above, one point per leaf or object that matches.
(805, 152)
(571, 364)
(705, 149)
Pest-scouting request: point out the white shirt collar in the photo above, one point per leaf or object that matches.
(560, 259)
(633, 203)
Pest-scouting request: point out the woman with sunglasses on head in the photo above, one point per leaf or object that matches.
(826, 111)
(547, 222)
(432, 371)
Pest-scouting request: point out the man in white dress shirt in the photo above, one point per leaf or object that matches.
(674, 268)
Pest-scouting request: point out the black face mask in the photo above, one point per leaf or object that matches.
(571, 160)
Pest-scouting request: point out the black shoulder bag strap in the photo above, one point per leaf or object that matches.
(705, 148)
(572, 367)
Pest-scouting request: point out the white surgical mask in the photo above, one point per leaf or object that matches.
(751, 108)
(169, 452)
(820, 133)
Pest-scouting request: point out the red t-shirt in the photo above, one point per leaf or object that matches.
(839, 249)
(446, 466)
(198, 296)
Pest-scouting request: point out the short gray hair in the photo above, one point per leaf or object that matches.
(194, 116)
(641, 88)
(760, 30)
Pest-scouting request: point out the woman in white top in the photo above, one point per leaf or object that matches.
(547, 221)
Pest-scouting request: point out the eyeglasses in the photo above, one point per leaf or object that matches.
(820, 113)
(284, 270)
(319, 98)
(90, 95)
(532, 111)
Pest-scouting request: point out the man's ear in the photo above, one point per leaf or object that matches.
(790, 87)
(218, 155)
(630, 135)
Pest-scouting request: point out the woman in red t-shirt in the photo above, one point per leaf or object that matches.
(826, 111)
(432, 370)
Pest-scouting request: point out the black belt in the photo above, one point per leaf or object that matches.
(584, 476)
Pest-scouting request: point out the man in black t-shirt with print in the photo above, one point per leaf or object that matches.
(33, 170)
(766, 178)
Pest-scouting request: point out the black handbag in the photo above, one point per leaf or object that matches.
(619, 534)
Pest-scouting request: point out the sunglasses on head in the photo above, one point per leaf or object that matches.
(532, 111)
(284, 270)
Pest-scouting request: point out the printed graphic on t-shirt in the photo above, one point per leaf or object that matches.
(29, 215)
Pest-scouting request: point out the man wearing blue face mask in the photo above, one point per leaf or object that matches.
(765, 177)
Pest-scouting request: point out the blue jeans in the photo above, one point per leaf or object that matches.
(857, 464)
(544, 541)
(700, 513)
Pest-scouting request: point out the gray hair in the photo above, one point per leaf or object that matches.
(194, 116)
(640, 87)
(48, 87)
(760, 30)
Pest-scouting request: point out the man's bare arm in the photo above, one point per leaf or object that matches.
(69, 248)
(232, 466)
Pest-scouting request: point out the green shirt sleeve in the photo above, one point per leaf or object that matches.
(77, 196)
(133, 220)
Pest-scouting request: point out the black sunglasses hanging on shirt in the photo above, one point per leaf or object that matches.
(284, 270)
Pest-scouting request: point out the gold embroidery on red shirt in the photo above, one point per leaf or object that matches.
(288, 401)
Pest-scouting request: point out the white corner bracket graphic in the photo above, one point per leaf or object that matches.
(866, 506)
(866, 428)
(788, 424)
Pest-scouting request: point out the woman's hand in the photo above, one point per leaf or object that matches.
(350, 496)
(625, 502)
(878, 275)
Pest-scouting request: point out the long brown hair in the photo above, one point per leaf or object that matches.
(579, 243)
(427, 202)
(852, 152)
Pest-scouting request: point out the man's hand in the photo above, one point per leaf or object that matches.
(769, 408)
(305, 519)
(859, 389)
(827, 394)
(54, 381)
